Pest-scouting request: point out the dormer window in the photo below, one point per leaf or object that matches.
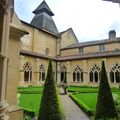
(102, 47)
(47, 51)
(80, 50)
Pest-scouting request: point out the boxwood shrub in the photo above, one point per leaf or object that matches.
(85, 108)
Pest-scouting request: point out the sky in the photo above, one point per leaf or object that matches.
(90, 19)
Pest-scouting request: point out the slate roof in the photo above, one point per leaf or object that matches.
(43, 19)
(72, 57)
(35, 54)
(90, 55)
(92, 43)
(43, 7)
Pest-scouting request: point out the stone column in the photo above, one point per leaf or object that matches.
(114, 78)
(37, 70)
(85, 72)
(21, 70)
(4, 41)
(68, 73)
(58, 73)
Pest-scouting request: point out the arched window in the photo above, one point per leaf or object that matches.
(27, 68)
(64, 74)
(78, 74)
(115, 73)
(94, 73)
(41, 73)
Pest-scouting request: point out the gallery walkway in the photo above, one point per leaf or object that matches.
(71, 110)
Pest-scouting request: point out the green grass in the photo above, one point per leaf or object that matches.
(87, 89)
(89, 100)
(30, 102)
(30, 98)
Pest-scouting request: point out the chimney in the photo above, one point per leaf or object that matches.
(112, 35)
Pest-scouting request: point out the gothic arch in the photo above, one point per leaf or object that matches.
(64, 74)
(115, 73)
(94, 73)
(27, 68)
(41, 72)
(77, 74)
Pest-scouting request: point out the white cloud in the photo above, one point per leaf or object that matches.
(90, 19)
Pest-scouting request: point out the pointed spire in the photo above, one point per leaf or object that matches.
(43, 7)
(43, 19)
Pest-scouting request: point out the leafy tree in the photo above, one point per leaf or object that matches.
(49, 108)
(105, 108)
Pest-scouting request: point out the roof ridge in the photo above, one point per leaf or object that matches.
(43, 7)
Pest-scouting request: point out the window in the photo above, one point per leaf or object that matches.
(94, 73)
(115, 73)
(41, 73)
(102, 47)
(64, 74)
(27, 68)
(80, 50)
(78, 74)
(47, 51)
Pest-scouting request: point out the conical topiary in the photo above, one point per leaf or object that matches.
(105, 109)
(49, 108)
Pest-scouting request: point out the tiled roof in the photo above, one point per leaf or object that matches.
(43, 7)
(72, 57)
(89, 55)
(43, 19)
(35, 54)
(92, 43)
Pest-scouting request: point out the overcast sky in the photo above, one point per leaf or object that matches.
(90, 19)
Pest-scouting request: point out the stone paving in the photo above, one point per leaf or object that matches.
(71, 110)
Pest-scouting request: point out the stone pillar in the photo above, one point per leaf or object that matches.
(85, 72)
(58, 73)
(37, 71)
(68, 73)
(3, 102)
(21, 70)
(114, 78)
(4, 41)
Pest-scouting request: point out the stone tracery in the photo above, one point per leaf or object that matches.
(78, 74)
(27, 68)
(94, 73)
(115, 73)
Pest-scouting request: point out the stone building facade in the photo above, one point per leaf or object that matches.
(25, 50)
(74, 63)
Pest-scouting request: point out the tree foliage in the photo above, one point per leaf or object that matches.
(105, 108)
(49, 108)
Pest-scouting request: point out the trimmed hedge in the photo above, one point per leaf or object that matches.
(87, 89)
(85, 108)
(33, 89)
(49, 108)
(105, 107)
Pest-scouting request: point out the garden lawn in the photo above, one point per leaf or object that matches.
(30, 98)
(30, 102)
(90, 99)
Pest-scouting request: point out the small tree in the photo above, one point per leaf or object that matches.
(49, 108)
(105, 108)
